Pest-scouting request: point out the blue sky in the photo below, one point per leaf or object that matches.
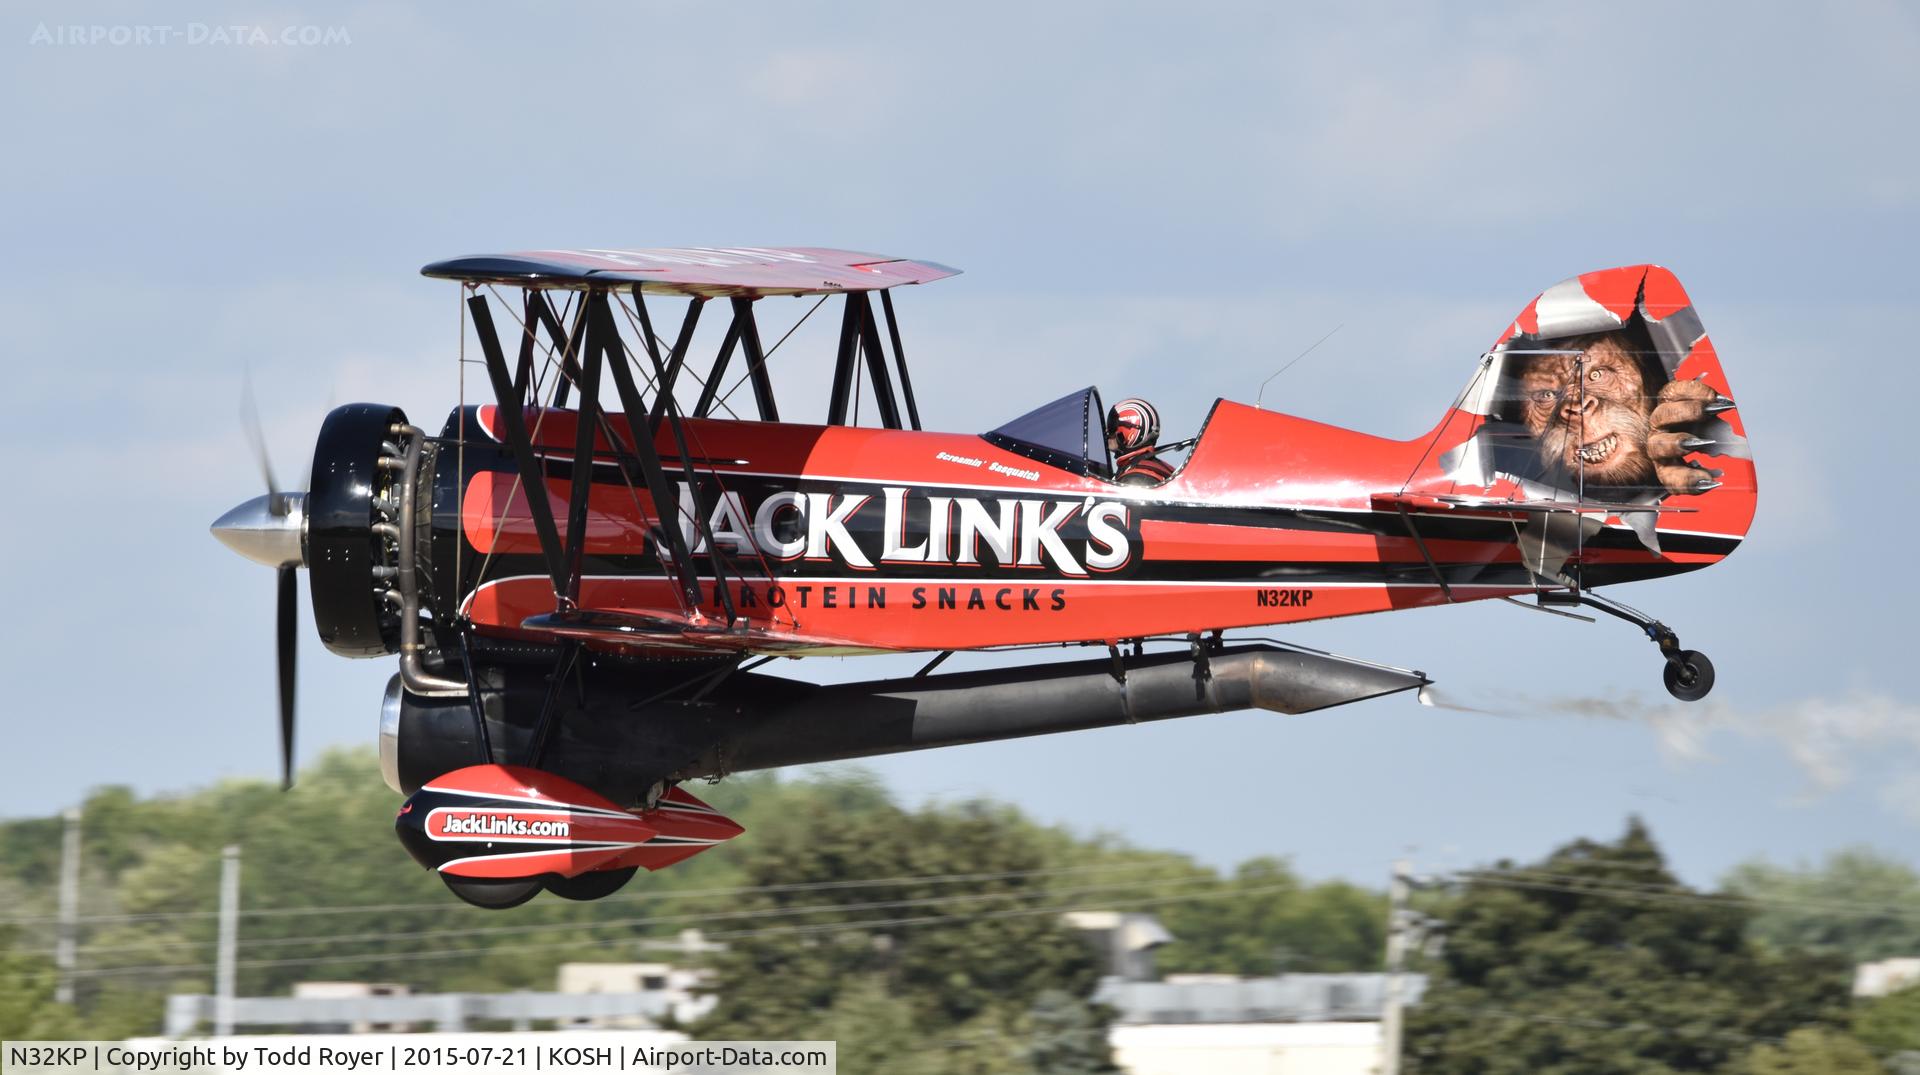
(1169, 202)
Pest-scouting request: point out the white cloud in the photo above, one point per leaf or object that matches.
(1830, 740)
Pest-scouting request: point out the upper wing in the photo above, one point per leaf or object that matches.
(712, 271)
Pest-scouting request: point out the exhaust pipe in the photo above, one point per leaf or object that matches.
(858, 720)
(757, 721)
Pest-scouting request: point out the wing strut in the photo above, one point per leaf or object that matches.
(676, 358)
(900, 357)
(650, 462)
(843, 365)
(606, 341)
(533, 477)
(568, 344)
(707, 394)
(860, 340)
(585, 428)
(523, 371)
(756, 360)
(876, 362)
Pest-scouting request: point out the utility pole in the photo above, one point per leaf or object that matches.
(1399, 925)
(229, 941)
(66, 947)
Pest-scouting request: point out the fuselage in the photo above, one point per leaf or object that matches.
(863, 539)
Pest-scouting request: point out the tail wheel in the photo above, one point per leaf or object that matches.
(591, 886)
(494, 895)
(1688, 675)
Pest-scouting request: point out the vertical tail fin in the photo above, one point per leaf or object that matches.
(1605, 389)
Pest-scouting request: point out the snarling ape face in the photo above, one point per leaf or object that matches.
(1590, 410)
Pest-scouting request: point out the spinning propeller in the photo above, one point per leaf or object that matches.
(271, 530)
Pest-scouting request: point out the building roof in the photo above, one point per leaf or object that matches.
(1287, 998)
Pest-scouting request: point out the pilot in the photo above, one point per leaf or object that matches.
(1133, 436)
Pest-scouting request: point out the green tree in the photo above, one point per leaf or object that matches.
(1890, 1024)
(1857, 904)
(952, 954)
(27, 1008)
(873, 1028)
(1597, 960)
(1068, 1036)
(1809, 1051)
(1267, 922)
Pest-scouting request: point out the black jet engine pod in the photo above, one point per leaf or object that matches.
(349, 563)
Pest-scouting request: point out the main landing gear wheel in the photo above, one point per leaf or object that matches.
(591, 886)
(492, 894)
(1688, 675)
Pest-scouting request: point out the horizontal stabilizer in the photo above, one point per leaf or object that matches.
(1452, 503)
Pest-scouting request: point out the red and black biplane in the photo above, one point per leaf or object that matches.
(584, 575)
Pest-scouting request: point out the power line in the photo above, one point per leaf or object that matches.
(803, 886)
(685, 918)
(1482, 875)
(808, 929)
(802, 929)
(692, 916)
(1525, 880)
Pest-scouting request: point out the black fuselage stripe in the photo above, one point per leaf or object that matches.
(1172, 573)
(1406, 568)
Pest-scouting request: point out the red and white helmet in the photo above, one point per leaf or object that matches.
(1132, 424)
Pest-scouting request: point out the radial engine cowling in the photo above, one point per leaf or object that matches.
(352, 536)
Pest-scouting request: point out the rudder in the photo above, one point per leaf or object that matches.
(1606, 389)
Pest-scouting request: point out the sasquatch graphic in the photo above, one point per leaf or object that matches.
(1590, 409)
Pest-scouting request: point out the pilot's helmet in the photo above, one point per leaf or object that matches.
(1132, 424)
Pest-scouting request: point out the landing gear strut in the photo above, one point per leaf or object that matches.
(1688, 674)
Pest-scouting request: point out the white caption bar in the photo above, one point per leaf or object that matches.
(558, 1053)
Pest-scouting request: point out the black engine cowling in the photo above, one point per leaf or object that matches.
(349, 561)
